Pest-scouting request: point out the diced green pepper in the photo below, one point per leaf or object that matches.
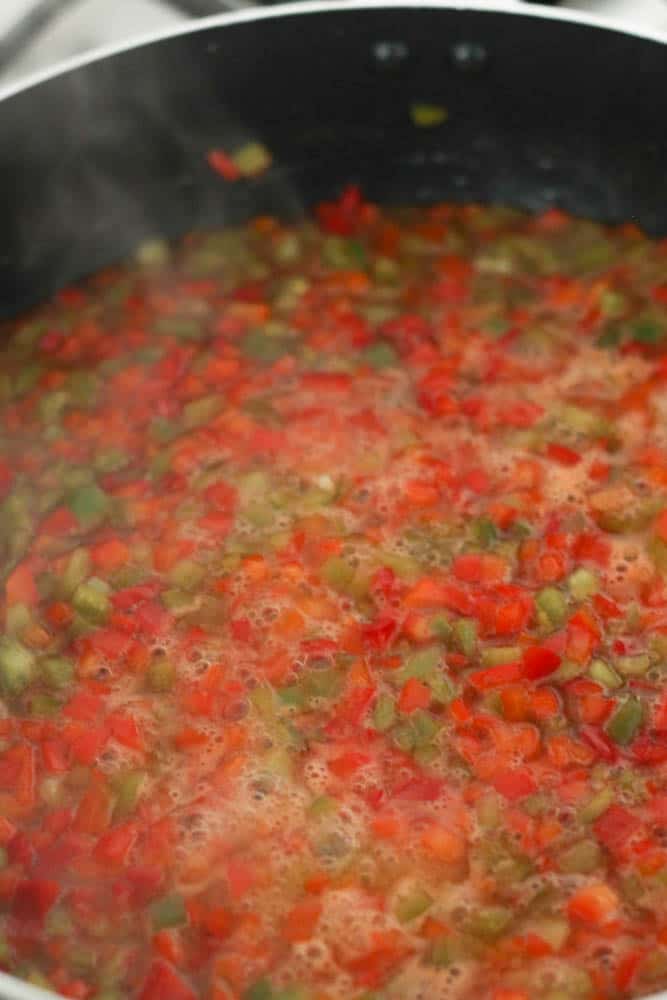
(187, 574)
(440, 627)
(260, 990)
(89, 503)
(425, 728)
(57, 671)
(597, 805)
(52, 404)
(554, 930)
(169, 911)
(403, 565)
(338, 573)
(183, 327)
(323, 805)
(633, 666)
(496, 656)
(404, 737)
(601, 672)
(76, 571)
(201, 411)
(161, 675)
(553, 605)
(428, 115)
(293, 695)
(259, 346)
(442, 952)
(626, 720)
(384, 713)
(441, 687)
(412, 905)
(17, 617)
(583, 584)
(582, 857)
(489, 922)
(484, 531)
(420, 664)
(179, 602)
(128, 790)
(251, 160)
(381, 354)
(17, 666)
(465, 634)
(584, 421)
(92, 603)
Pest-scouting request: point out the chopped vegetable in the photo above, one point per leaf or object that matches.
(333, 619)
(428, 115)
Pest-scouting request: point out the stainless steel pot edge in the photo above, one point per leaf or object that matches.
(321, 6)
(10, 987)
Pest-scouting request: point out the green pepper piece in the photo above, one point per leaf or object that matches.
(187, 574)
(128, 790)
(92, 603)
(323, 805)
(177, 601)
(169, 911)
(465, 633)
(260, 990)
(633, 666)
(259, 346)
(293, 695)
(598, 804)
(582, 857)
(553, 605)
(428, 115)
(489, 922)
(412, 905)
(88, 503)
(52, 404)
(161, 675)
(496, 656)
(17, 617)
(583, 584)
(200, 411)
(484, 532)
(425, 728)
(420, 664)
(384, 713)
(601, 672)
(381, 354)
(442, 952)
(252, 159)
(77, 569)
(57, 671)
(626, 720)
(17, 666)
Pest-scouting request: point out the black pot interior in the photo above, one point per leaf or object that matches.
(541, 113)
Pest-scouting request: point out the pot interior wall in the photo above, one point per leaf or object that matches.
(540, 112)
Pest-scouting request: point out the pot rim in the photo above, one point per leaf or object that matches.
(510, 7)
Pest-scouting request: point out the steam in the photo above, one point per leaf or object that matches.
(113, 154)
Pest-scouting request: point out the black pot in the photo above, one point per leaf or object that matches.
(544, 108)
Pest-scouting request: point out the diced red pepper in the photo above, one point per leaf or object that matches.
(539, 661)
(615, 827)
(514, 783)
(34, 898)
(164, 983)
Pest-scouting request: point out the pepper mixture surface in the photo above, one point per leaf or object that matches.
(334, 648)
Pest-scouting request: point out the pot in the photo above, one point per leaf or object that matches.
(544, 107)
